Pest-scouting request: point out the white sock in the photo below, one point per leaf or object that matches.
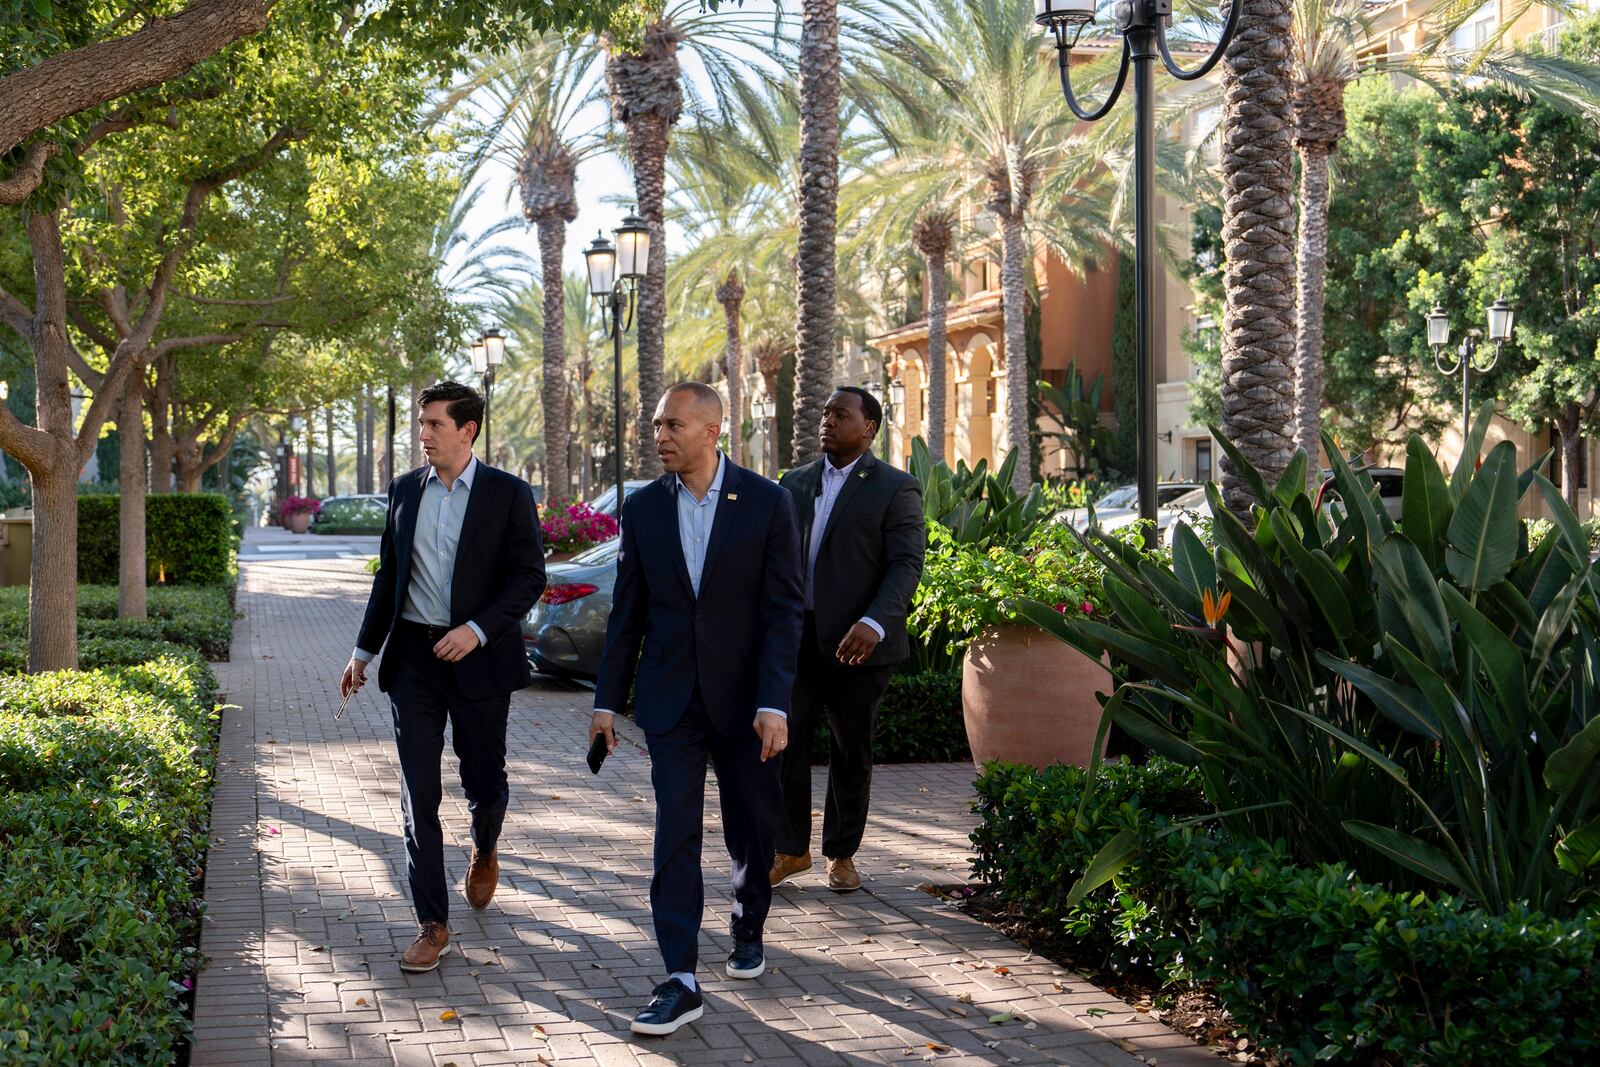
(687, 978)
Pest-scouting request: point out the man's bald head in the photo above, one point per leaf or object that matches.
(688, 423)
(705, 398)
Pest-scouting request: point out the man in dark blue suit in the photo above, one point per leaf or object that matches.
(705, 629)
(460, 564)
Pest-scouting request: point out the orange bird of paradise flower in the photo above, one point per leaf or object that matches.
(1214, 608)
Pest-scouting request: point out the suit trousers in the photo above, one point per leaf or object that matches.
(848, 698)
(423, 698)
(749, 797)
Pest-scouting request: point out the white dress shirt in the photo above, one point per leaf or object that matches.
(833, 482)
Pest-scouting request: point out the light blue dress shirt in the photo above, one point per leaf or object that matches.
(433, 552)
(833, 482)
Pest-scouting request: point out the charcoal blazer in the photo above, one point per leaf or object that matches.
(498, 577)
(870, 560)
(738, 641)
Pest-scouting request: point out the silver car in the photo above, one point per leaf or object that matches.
(565, 633)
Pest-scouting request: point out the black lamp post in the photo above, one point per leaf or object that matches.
(1501, 319)
(488, 352)
(1142, 25)
(615, 272)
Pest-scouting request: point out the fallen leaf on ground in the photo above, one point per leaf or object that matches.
(935, 1046)
(1003, 1017)
(446, 1015)
(1002, 970)
(361, 1002)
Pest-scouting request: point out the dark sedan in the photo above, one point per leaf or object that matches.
(565, 633)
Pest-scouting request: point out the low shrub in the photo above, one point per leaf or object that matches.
(104, 789)
(190, 539)
(1308, 959)
(195, 617)
(919, 721)
(351, 515)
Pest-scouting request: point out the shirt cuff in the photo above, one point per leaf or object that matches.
(482, 640)
(874, 624)
(780, 714)
(363, 655)
(604, 711)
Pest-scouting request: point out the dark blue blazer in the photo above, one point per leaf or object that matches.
(498, 577)
(739, 640)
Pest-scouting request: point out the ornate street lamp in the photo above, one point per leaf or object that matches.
(615, 272)
(1501, 317)
(488, 353)
(1142, 25)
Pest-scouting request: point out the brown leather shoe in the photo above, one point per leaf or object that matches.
(483, 874)
(433, 941)
(785, 866)
(842, 876)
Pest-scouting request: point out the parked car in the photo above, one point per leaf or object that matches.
(565, 633)
(357, 510)
(1120, 506)
(606, 502)
(1185, 505)
(1391, 483)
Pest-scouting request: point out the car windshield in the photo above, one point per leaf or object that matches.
(604, 552)
(1191, 499)
(1124, 496)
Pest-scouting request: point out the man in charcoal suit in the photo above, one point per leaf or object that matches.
(863, 541)
(704, 628)
(459, 565)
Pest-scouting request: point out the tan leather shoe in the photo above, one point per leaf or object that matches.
(842, 876)
(785, 866)
(433, 941)
(483, 874)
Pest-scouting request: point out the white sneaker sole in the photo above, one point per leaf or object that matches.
(663, 1029)
(412, 968)
(754, 972)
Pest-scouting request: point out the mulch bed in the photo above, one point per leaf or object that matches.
(1195, 1013)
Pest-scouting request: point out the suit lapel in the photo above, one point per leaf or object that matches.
(406, 528)
(483, 486)
(864, 470)
(727, 506)
(669, 523)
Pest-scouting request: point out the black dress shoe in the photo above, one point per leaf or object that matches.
(673, 1005)
(746, 960)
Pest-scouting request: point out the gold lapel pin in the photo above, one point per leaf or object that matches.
(733, 496)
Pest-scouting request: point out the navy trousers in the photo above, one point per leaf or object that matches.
(750, 798)
(423, 698)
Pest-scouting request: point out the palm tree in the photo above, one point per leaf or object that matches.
(730, 294)
(1328, 35)
(1258, 240)
(933, 234)
(648, 95)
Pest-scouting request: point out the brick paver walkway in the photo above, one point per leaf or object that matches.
(307, 907)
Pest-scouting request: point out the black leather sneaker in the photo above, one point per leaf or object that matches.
(674, 1005)
(747, 960)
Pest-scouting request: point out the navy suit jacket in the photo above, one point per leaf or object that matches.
(739, 640)
(498, 577)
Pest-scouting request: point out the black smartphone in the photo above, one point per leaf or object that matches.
(597, 753)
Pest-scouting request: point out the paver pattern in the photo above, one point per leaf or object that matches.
(307, 908)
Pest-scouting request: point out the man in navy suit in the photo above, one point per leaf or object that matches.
(460, 564)
(705, 629)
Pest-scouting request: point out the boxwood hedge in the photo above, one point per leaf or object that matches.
(104, 790)
(190, 538)
(198, 617)
(1309, 960)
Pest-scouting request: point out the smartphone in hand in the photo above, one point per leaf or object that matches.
(598, 752)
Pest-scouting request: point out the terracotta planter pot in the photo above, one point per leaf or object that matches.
(297, 521)
(1029, 698)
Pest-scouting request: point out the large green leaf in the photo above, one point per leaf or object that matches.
(1567, 766)
(1404, 705)
(1242, 467)
(1426, 505)
(1561, 514)
(1293, 481)
(1328, 588)
(1113, 856)
(1409, 851)
(1467, 465)
(1402, 569)
(1501, 660)
(1191, 562)
(1483, 530)
(1134, 610)
(1580, 850)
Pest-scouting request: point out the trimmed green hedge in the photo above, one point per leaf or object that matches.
(1310, 961)
(195, 617)
(104, 790)
(919, 721)
(190, 539)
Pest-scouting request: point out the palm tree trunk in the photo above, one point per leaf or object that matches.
(730, 294)
(1568, 427)
(815, 265)
(132, 599)
(648, 141)
(1311, 278)
(937, 365)
(1258, 336)
(1013, 281)
(552, 242)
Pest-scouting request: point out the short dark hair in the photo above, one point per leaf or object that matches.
(869, 405)
(465, 403)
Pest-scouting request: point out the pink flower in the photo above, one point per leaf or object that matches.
(1086, 607)
(1062, 608)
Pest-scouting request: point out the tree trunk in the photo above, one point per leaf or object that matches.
(552, 243)
(366, 478)
(815, 264)
(53, 579)
(1311, 278)
(1013, 303)
(333, 474)
(190, 463)
(730, 294)
(1258, 334)
(388, 442)
(1569, 427)
(132, 560)
(163, 446)
(648, 142)
(311, 455)
(937, 365)
(586, 440)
